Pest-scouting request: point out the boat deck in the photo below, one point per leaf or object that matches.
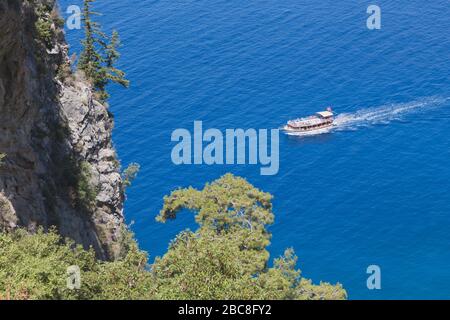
(307, 122)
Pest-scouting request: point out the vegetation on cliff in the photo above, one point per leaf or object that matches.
(35, 267)
(99, 55)
(129, 174)
(48, 23)
(225, 258)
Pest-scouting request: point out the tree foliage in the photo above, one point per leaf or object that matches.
(34, 266)
(225, 258)
(44, 24)
(100, 54)
(129, 174)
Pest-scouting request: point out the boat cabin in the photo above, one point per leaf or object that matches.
(320, 120)
(325, 114)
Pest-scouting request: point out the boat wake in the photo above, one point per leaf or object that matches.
(372, 116)
(384, 114)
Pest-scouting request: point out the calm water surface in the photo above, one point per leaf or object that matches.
(373, 191)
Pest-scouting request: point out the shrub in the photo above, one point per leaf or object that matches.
(65, 74)
(44, 24)
(86, 191)
(129, 174)
(44, 30)
(56, 18)
(35, 267)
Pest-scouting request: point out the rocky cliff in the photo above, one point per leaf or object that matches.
(59, 167)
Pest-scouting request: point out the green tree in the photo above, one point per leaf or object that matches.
(100, 54)
(34, 266)
(112, 56)
(227, 257)
(90, 58)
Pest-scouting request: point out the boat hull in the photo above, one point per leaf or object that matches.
(308, 132)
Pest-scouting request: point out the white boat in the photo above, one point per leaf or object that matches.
(320, 122)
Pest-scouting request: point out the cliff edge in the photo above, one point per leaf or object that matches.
(59, 167)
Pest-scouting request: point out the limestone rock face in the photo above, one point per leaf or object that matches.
(60, 168)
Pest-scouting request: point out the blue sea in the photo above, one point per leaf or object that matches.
(374, 191)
